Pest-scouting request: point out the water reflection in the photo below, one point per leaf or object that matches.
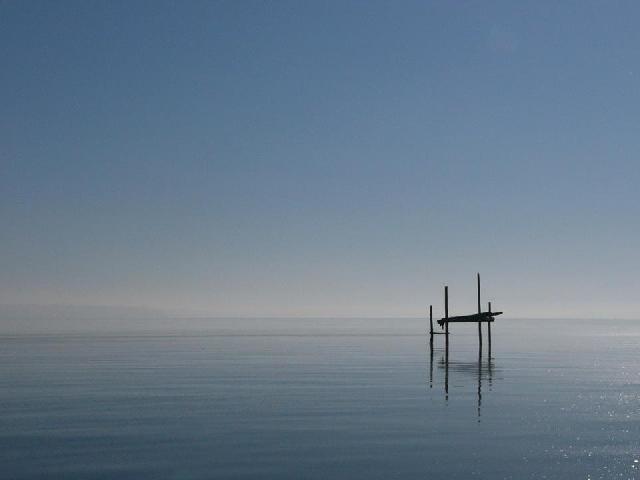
(481, 370)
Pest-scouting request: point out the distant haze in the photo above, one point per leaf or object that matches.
(319, 158)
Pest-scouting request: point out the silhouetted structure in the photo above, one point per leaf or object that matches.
(480, 317)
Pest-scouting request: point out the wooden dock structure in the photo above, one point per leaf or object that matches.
(480, 317)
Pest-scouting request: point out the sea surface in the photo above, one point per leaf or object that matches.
(324, 399)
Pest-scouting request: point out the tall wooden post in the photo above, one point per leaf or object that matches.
(431, 321)
(489, 331)
(479, 311)
(446, 311)
(446, 343)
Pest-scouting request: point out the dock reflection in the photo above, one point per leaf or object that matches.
(482, 370)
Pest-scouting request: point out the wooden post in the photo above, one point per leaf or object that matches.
(479, 311)
(446, 343)
(431, 321)
(489, 331)
(446, 312)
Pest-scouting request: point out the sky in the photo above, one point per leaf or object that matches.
(321, 158)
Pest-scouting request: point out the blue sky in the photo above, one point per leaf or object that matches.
(319, 159)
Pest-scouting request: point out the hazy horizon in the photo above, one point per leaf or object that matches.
(101, 319)
(321, 159)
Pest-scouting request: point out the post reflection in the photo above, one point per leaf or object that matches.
(481, 370)
(431, 363)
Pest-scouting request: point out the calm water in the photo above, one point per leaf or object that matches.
(324, 399)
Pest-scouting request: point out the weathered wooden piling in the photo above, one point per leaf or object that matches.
(446, 312)
(479, 312)
(489, 330)
(431, 321)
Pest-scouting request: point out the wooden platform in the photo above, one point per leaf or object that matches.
(473, 318)
(479, 318)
